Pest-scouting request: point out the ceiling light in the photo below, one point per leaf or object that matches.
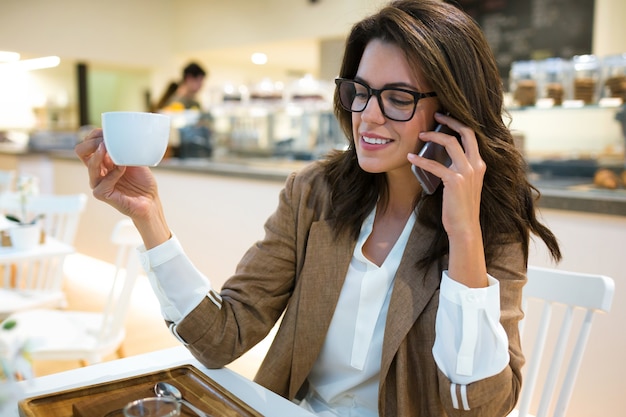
(6, 56)
(32, 64)
(259, 58)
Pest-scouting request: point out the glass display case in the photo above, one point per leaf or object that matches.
(299, 129)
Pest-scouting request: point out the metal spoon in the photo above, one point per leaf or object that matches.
(163, 389)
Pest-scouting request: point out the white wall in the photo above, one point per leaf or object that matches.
(137, 32)
(609, 35)
(209, 24)
(164, 34)
(216, 218)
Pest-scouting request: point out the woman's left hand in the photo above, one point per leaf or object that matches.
(463, 182)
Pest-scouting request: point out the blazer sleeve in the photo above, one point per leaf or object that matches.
(496, 395)
(254, 298)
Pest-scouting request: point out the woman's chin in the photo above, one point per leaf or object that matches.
(371, 166)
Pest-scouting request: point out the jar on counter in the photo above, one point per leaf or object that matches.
(555, 75)
(523, 82)
(586, 77)
(614, 76)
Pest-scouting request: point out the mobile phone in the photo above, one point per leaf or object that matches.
(436, 152)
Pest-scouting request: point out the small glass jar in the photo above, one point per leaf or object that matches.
(555, 74)
(523, 82)
(614, 76)
(586, 77)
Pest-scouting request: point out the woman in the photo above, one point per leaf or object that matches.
(393, 302)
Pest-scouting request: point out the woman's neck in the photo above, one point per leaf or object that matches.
(401, 195)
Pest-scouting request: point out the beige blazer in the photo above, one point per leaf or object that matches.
(299, 269)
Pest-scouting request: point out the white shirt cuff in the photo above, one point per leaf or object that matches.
(176, 282)
(470, 342)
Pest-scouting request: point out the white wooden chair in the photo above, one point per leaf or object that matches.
(32, 278)
(79, 335)
(36, 276)
(61, 212)
(568, 295)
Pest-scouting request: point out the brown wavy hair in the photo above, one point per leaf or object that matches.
(451, 52)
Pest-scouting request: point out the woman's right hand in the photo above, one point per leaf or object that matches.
(131, 190)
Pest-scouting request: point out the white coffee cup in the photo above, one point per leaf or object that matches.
(135, 138)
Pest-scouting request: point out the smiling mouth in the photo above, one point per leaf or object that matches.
(375, 141)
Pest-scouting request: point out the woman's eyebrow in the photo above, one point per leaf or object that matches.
(398, 84)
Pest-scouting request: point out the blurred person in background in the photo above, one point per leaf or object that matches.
(193, 137)
(182, 95)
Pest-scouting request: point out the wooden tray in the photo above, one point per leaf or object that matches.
(108, 398)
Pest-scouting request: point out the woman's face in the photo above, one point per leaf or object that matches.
(382, 144)
(194, 84)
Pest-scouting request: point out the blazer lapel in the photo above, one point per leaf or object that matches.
(322, 278)
(411, 292)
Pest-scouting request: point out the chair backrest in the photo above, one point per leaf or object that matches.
(127, 267)
(570, 292)
(34, 272)
(61, 212)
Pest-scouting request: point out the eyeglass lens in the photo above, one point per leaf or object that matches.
(395, 104)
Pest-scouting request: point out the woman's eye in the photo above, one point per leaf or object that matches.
(400, 100)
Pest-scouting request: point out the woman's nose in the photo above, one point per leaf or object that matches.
(373, 111)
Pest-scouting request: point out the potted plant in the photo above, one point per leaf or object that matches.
(25, 232)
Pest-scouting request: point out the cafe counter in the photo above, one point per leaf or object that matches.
(571, 193)
(560, 192)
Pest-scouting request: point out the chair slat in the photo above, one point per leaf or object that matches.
(556, 361)
(574, 365)
(530, 379)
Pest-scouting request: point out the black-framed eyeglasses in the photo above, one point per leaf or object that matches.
(395, 103)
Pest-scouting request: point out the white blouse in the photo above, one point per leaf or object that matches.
(470, 342)
(344, 379)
